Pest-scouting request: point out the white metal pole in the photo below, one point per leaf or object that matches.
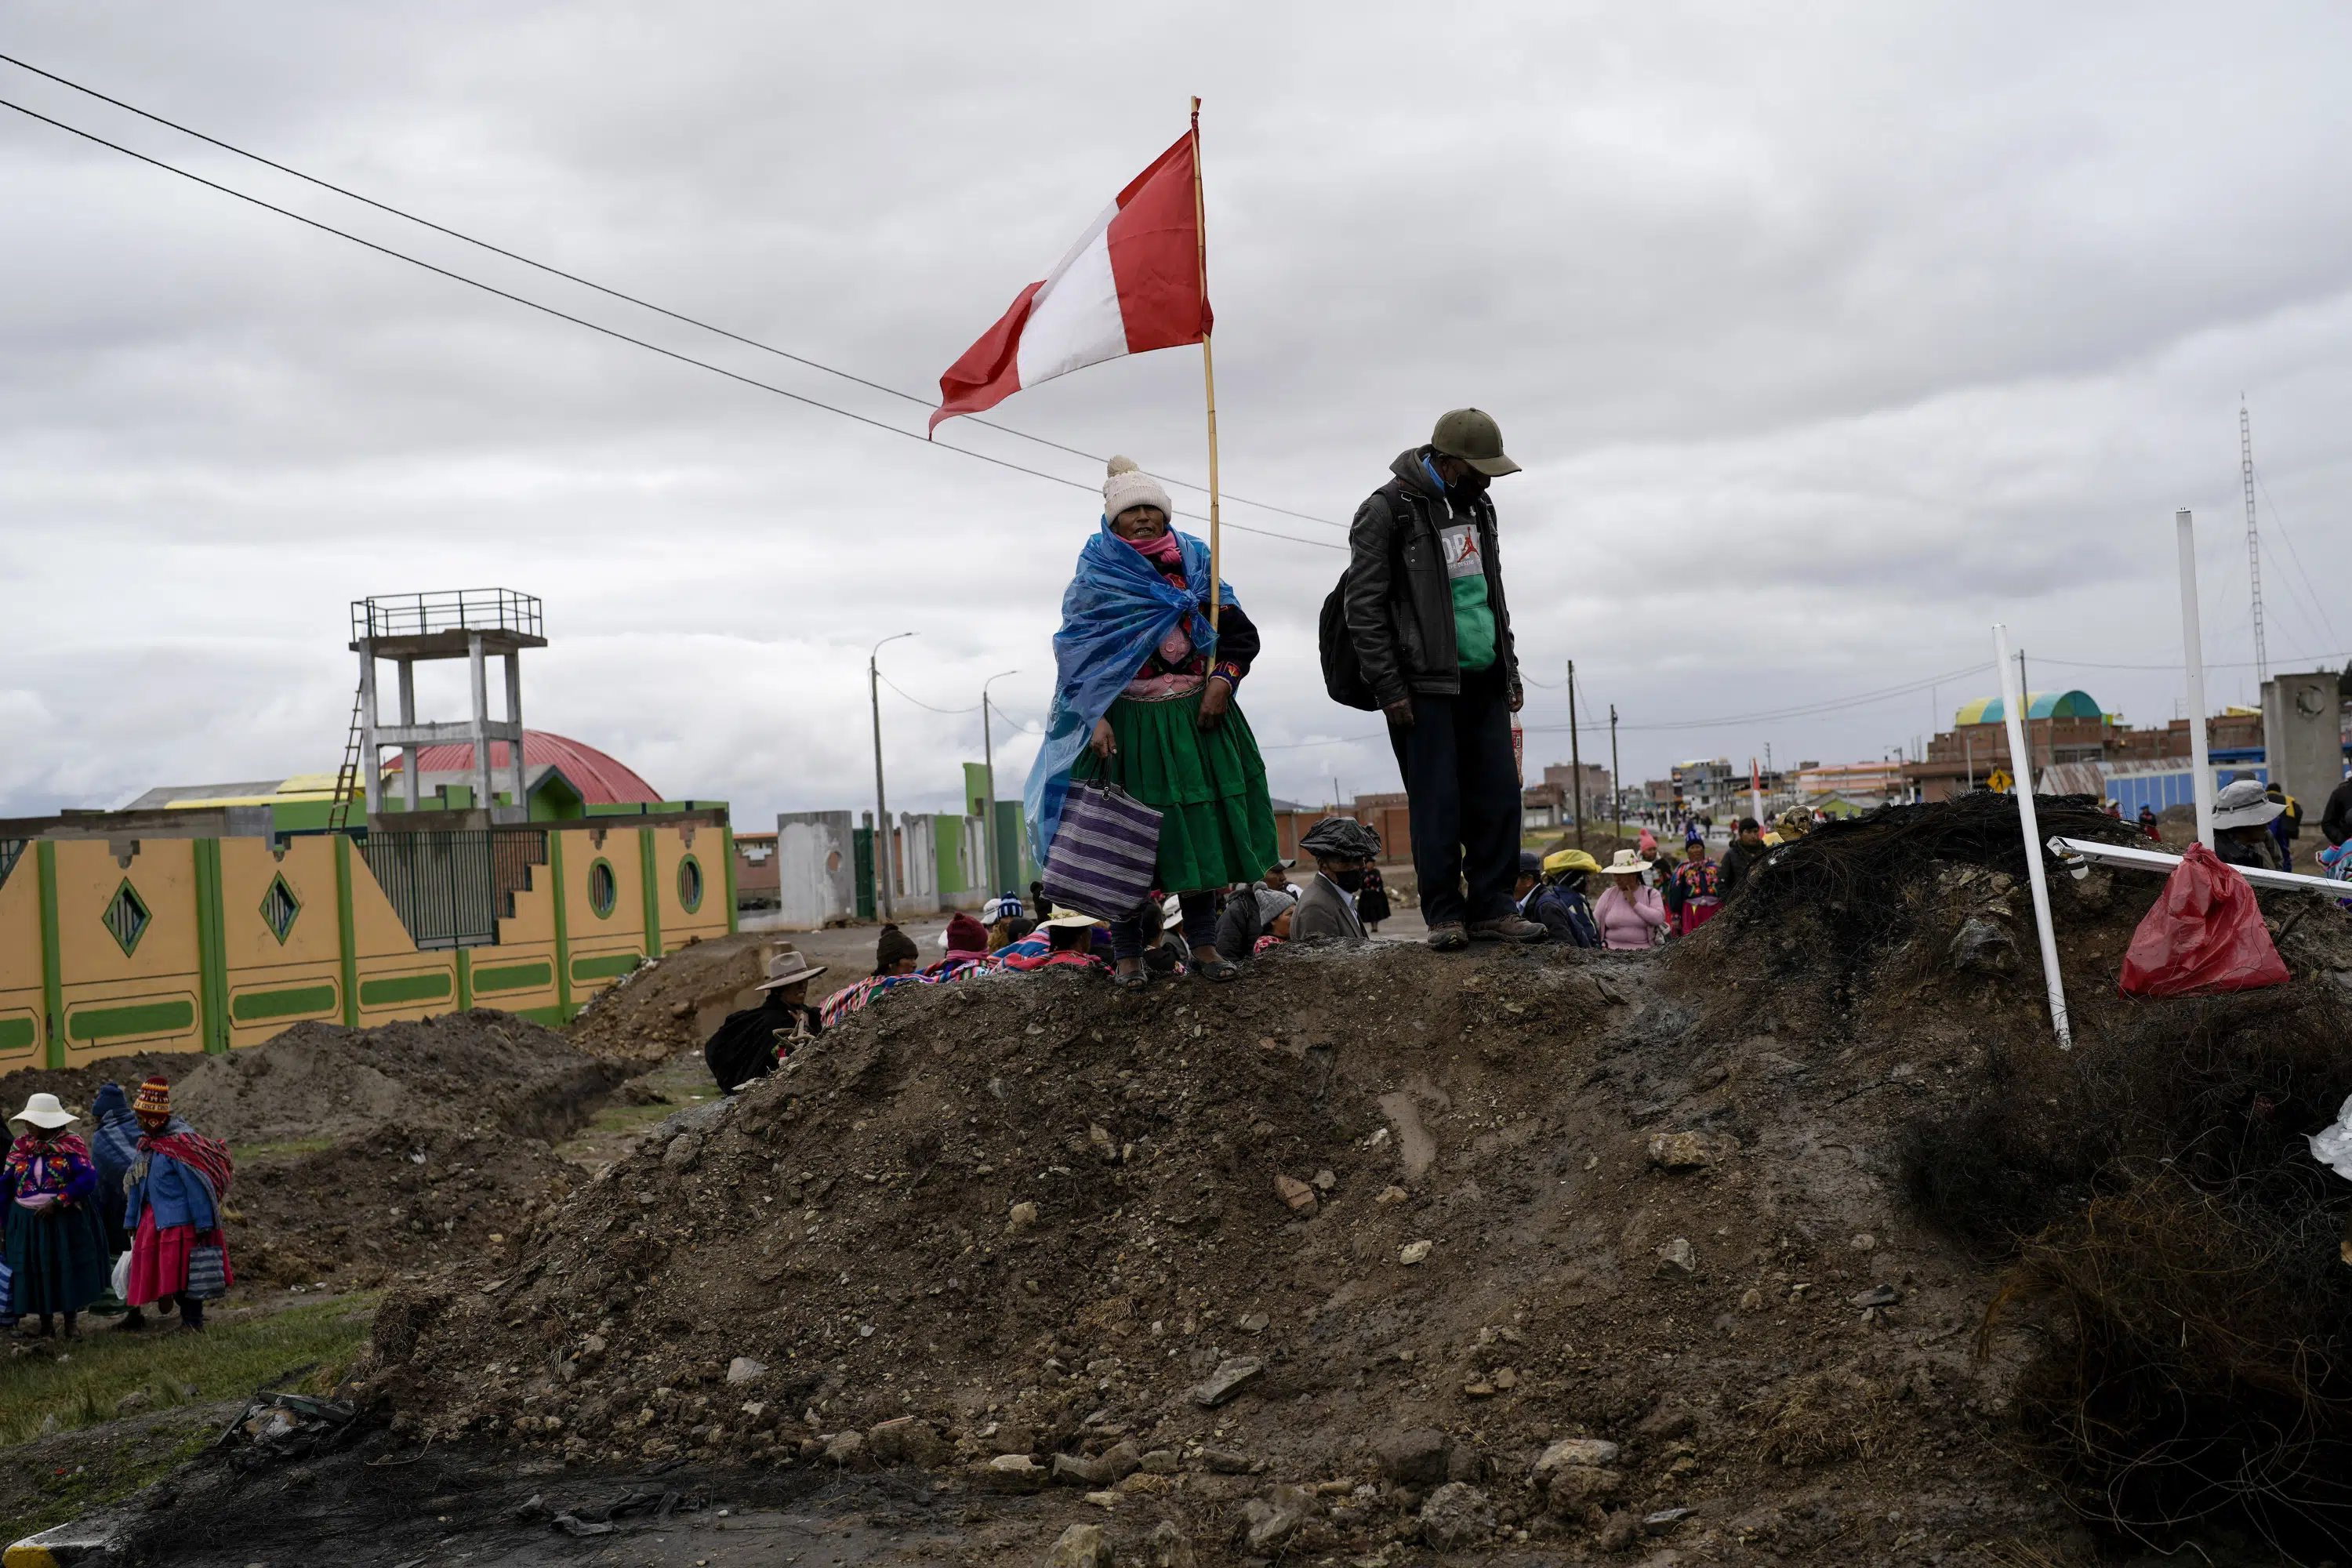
(2013, 710)
(2192, 655)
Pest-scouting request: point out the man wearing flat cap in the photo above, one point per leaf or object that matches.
(1342, 847)
(1432, 635)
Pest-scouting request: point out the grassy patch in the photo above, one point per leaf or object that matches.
(246, 1153)
(88, 1382)
(680, 1083)
(88, 1487)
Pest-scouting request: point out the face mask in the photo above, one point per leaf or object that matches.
(1349, 881)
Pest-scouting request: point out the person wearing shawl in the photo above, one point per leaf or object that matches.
(56, 1242)
(967, 945)
(114, 1145)
(1143, 698)
(176, 1186)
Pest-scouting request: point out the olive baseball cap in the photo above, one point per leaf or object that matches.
(1472, 435)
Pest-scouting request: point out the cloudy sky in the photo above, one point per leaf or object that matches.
(1825, 340)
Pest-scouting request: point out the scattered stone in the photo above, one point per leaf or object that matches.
(1481, 1389)
(1982, 945)
(1013, 1473)
(137, 1399)
(1325, 1181)
(1103, 1500)
(682, 1152)
(1865, 1242)
(1254, 1323)
(1617, 1532)
(744, 1368)
(1457, 1515)
(1664, 1520)
(1876, 1296)
(1752, 1299)
(1412, 1252)
(1414, 1458)
(1578, 1491)
(1098, 1138)
(1577, 1451)
(1022, 1216)
(1691, 1150)
(906, 1440)
(1225, 1461)
(1014, 1438)
(1143, 1482)
(1168, 1547)
(1121, 1460)
(1226, 1380)
(1270, 1522)
(1506, 1378)
(1296, 1193)
(1392, 1196)
(1677, 1254)
(1080, 1546)
(1464, 1463)
(1075, 1470)
(1160, 1462)
(847, 1450)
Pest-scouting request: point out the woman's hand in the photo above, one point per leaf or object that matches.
(1103, 744)
(1215, 698)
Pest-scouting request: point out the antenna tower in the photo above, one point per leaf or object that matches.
(2253, 541)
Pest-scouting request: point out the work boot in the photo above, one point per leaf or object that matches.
(1508, 927)
(1446, 937)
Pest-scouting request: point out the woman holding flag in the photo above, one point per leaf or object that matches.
(1143, 698)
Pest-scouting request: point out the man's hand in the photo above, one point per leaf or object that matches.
(1215, 698)
(1518, 698)
(1400, 712)
(1103, 744)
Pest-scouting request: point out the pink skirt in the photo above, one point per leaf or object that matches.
(159, 1260)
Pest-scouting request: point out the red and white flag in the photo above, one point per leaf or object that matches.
(1133, 283)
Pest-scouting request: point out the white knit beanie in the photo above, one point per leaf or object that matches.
(1130, 485)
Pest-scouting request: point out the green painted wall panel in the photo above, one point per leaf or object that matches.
(512, 977)
(18, 1034)
(141, 1018)
(292, 1002)
(605, 966)
(404, 988)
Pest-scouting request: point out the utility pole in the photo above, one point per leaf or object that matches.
(1616, 779)
(1575, 755)
(2025, 717)
(885, 862)
(2253, 543)
(988, 769)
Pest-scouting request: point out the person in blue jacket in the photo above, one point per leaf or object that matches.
(175, 1188)
(113, 1147)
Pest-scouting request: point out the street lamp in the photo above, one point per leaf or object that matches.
(885, 862)
(988, 766)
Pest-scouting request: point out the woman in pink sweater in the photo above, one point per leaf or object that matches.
(1628, 914)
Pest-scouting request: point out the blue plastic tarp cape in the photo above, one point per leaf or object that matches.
(1116, 609)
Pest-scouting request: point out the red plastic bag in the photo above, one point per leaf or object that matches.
(2205, 936)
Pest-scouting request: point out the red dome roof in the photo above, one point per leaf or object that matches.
(600, 780)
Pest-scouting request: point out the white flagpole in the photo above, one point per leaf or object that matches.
(1208, 372)
(2012, 708)
(2192, 655)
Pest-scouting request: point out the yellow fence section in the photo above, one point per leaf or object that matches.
(193, 944)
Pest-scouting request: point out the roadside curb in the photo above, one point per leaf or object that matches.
(85, 1541)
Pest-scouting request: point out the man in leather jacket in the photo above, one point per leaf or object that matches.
(1432, 633)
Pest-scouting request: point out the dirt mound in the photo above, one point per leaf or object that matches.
(1389, 1227)
(76, 1087)
(659, 1010)
(395, 1201)
(481, 1070)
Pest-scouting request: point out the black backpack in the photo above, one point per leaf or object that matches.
(1343, 673)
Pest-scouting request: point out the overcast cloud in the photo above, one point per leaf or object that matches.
(1826, 338)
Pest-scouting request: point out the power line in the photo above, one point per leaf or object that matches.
(607, 332)
(616, 293)
(2278, 526)
(919, 701)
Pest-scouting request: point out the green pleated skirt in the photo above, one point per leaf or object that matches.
(1216, 823)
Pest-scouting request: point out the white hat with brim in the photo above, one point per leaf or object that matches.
(1067, 918)
(789, 967)
(2244, 804)
(43, 1110)
(1626, 863)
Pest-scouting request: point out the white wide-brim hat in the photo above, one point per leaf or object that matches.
(789, 967)
(1067, 918)
(1626, 863)
(43, 1110)
(2244, 805)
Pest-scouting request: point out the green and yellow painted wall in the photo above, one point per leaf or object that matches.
(207, 944)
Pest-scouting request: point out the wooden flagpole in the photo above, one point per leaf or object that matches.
(1208, 372)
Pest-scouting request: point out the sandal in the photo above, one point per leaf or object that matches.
(1134, 981)
(1219, 970)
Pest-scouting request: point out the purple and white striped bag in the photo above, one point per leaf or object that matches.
(1104, 853)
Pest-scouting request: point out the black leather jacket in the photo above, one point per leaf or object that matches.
(1400, 601)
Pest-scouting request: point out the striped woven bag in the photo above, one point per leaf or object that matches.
(1104, 852)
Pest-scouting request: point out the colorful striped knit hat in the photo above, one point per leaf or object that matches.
(154, 1097)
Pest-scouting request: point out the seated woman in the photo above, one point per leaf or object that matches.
(1068, 937)
(1630, 915)
(1560, 902)
(1144, 699)
(896, 959)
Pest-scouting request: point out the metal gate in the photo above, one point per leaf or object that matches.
(450, 889)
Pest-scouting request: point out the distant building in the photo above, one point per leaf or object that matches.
(2063, 728)
(1851, 783)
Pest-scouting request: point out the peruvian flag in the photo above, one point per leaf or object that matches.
(1132, 283)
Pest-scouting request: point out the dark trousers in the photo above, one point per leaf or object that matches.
(1462, 786)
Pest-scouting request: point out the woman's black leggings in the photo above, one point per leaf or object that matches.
(1200, 925)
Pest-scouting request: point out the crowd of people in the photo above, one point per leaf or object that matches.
(127, 1219)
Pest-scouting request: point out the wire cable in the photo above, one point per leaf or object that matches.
(614, 294)
(613, 333)
(919, 701)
